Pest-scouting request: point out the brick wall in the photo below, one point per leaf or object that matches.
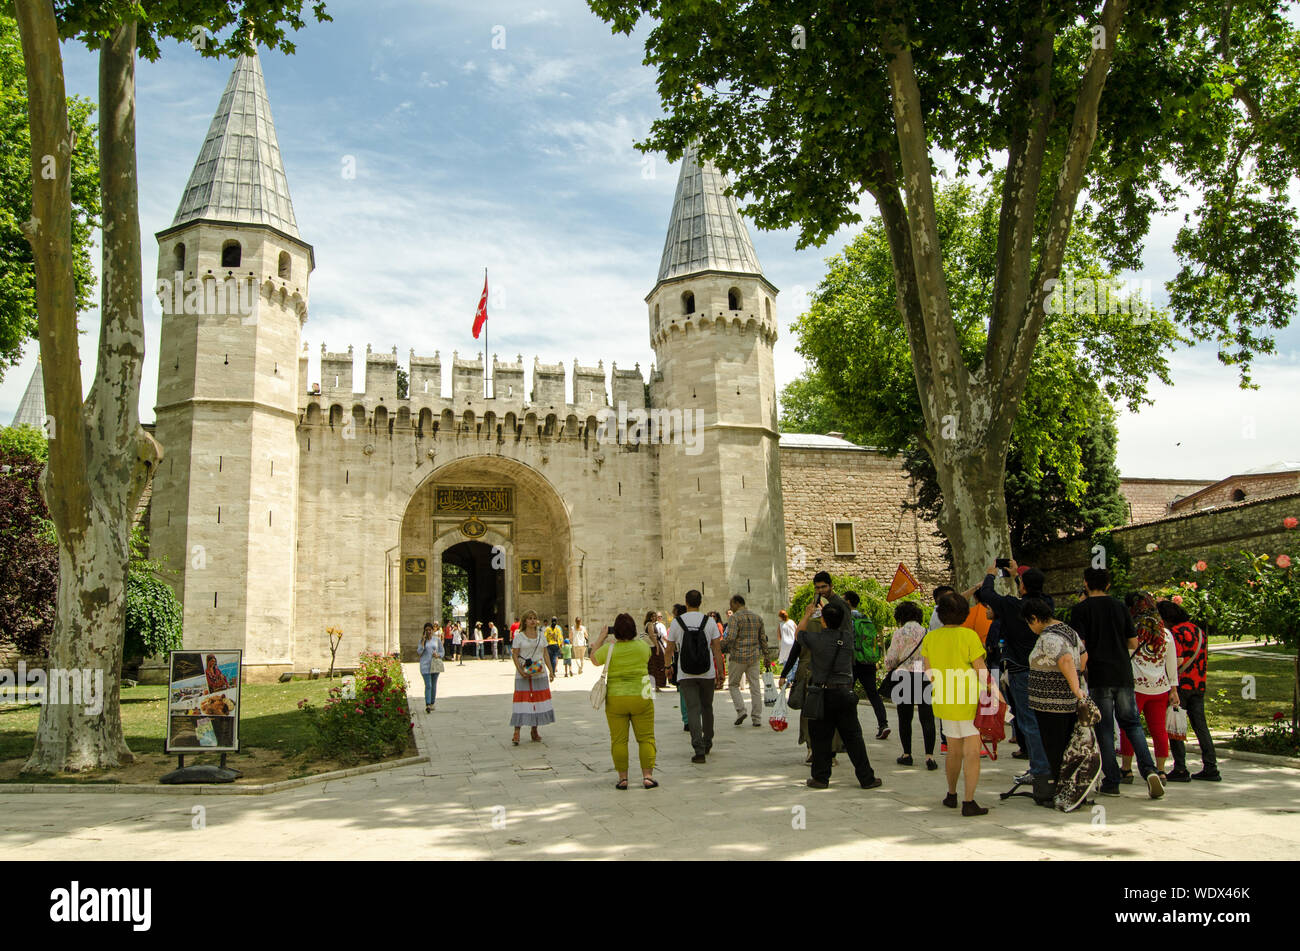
(1249, 526)
(1149, 499)
(824, 486)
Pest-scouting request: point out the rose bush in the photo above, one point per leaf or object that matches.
(374, 722)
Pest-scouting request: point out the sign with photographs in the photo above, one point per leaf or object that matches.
(530, 575)
(415, 576)
(203, 701)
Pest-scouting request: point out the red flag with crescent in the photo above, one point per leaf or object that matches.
(480, 315)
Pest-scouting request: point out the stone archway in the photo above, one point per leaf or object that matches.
(519, 519)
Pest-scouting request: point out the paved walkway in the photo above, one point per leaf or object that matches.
(481, 798)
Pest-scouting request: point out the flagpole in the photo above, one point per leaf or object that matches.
(485, 346)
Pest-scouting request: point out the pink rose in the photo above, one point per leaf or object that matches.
(1291, 521)
(1192, 585)
(1177, 599)
(1283, 561)
(1201, 566)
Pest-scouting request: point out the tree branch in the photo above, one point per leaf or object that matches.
(49, 231)
(1020, 199)
(1083, 133)
(941, 347)
(121, 451)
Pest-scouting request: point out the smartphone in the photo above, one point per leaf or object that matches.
(1002, 564)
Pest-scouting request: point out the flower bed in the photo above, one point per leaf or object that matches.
(1275, 739)
(373, 720)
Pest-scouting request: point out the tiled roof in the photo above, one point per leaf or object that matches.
(705, 231)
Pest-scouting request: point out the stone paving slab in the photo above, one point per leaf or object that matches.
(480, 798)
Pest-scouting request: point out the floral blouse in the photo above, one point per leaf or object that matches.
(901, 645)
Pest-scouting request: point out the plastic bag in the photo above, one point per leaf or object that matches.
(769, 689)
(1176, 723)
(777, 721)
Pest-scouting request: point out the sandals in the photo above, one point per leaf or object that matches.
(621, 784)
(649, 783)
(515, 739)
(535, 736)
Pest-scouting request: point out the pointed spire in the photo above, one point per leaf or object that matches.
(31, 408)
(705, 231)
(239, 175)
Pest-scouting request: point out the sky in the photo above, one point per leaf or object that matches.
(501, 135)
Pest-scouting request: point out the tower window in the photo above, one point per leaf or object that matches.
(231, 254)
(734, 300)
(656, 317)
(768, 302)
(688, 303)
(179, 258)
(286, 266)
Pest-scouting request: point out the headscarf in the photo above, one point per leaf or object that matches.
(1149, 627)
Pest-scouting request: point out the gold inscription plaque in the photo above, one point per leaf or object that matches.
(530, 575)
(473, 499)
(416, 576)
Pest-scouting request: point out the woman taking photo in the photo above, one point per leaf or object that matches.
(1055, 691)
(429, 650)
(533, 677)
(626, 702)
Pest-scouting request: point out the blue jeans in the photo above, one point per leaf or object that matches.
(1120, 704)
(1027, 724)
(430, 687)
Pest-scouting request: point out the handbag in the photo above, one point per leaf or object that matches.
(435, 663)
(814, 701)
(533, 665)
(597, 695)
(990, 721)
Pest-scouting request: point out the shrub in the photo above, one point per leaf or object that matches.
(153, 617)
(374, 722)
(1273, 738)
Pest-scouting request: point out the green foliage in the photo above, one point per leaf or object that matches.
(455, 587)
(871, 592)
(153, 617)
(29, 559)
(373, 724)
(1275, 739)
(403, 384)
(17, 267)
(25, 440)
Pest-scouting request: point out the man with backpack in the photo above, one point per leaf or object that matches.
(694, 641)
(866, 654)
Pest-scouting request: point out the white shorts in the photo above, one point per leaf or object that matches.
(957, 729)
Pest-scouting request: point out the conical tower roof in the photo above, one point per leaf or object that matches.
(705, 230)
(239, 176)
(31, 408)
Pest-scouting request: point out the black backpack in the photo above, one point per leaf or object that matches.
(696, 656)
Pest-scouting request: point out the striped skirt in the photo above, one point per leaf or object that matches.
(532, 702)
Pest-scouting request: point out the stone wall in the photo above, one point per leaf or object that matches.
(867, 488)
(1249, 526)
(1258, 486)
(1149, 499)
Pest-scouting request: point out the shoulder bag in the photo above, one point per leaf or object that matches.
(597, 695)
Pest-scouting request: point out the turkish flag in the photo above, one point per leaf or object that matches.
(480, 315)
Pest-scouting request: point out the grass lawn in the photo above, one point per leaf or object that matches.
(1226, 708)
(275, 737)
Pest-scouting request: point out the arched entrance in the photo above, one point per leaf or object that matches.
(486, 575)
(505, 524)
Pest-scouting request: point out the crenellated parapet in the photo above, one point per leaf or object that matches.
(510, 412)
(684, 326)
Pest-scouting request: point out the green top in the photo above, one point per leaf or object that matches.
(628, 672)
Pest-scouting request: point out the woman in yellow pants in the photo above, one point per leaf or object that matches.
(629, 697)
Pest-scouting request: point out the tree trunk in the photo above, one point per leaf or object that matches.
(100, 458)
(974, 515)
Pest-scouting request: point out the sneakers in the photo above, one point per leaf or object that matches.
(741, 719)
(950, 800)
(1179, 776)
(882, 733)
(873, 784)
(428, 707)
(1020, 754)
(817, 784)
(1154, 786)
(1025, 778)
(904, 760)
(1209, 775)
(758, 723)
(698, 758)
(1109, 789)
(973, 808)
(931, 764)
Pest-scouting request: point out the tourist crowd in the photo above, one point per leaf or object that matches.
(1068, 679)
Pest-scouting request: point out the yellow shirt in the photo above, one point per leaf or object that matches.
(950, 653)
(554, 635)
